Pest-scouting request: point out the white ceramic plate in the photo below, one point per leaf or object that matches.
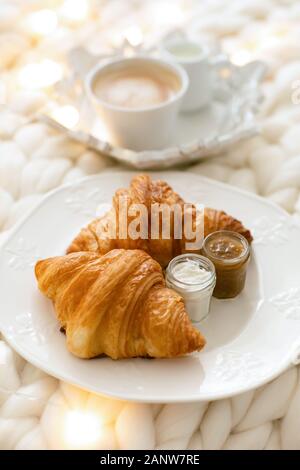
(229, 118)
(250, 339)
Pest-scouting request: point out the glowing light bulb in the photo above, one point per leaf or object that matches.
(241, 57)
(41, 23)
(40, 75)
(74, 11)
(82, 429)
(66, 115)
(134, 35)
(168, 13)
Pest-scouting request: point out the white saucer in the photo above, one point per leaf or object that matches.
(250, 339)
(229, 118)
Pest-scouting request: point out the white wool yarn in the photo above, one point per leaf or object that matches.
(244, 179)
(12, 45)
(9, 377)
(31, 136)
(20, 209)
(29, 400)
(32, 440)
(12, 430)
(58, 147)
(288, 175)
(274, 127)
(253, 439)
(177, 420)
(6, 202)
(53, 176)
(286, 198)
(265, 162)
(263, 408)
(28, 102)
(90, 162)
(290, 428)
(9, 123)
(214, 432)
(9, 14)
(30, 374)
(291, 140)
(196, 442)
(12, 162)
(135, 417)
(212, 170)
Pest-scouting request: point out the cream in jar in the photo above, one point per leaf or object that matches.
(194, 278)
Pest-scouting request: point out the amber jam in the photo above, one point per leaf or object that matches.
(230, 254)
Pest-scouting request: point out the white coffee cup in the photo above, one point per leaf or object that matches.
(195, 59)
(147, 127)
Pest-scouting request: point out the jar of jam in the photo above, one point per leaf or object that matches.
(230, 254)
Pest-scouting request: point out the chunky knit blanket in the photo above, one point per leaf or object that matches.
(38, 411)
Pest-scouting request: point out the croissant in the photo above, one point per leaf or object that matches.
(117, 305)
(103, 234)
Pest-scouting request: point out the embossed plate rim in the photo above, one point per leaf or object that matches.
(144, 396)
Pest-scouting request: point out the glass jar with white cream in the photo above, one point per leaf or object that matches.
(194, 278)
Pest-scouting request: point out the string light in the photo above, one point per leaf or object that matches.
(74, 11)
(82, 429)
(66, 115)
(168, 13)
(241, 57)
(134, 35)
(38, 75)
(41, 23)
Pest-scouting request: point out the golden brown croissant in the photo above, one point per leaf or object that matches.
(215, 220)
(97, 236)
(103, 234)
(117, 305)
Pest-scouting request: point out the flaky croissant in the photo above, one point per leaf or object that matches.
(97, 236)
(117, 305)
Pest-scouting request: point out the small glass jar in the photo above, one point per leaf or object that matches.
(230, 254)
(194, 278)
